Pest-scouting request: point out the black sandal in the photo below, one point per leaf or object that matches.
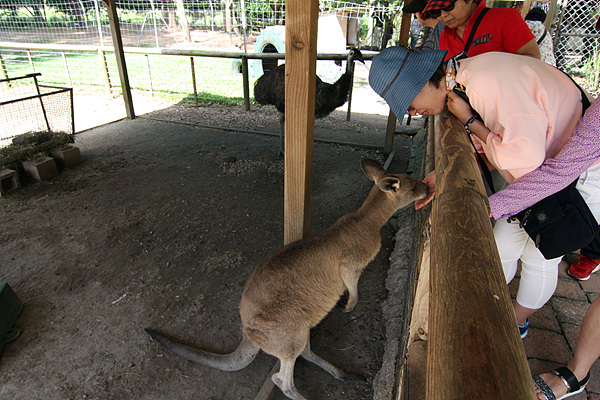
(573, 385)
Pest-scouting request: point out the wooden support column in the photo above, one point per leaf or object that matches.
(120, 56)
(391, 123)
(300, 76)
(474, 351)
(550, 15)
(526, 8)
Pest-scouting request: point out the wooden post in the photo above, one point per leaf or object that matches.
(104, 69)
(300, 79)
(475, 351)
(120, 55)
(526, 7)
(3, 72)
(550, 15)
(391, 124)
(246, 83)
(193, 70)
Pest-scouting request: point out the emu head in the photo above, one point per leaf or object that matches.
(353, 55)
(402, 188)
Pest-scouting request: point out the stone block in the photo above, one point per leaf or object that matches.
(9, 181)
(67, 157)
(42, 170)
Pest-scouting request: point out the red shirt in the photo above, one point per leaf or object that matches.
(501, 29)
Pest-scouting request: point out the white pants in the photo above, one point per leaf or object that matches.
(538, 275)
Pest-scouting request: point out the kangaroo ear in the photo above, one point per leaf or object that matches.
(372, 169)
(389, 184)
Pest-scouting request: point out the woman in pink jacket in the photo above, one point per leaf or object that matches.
(528, 110)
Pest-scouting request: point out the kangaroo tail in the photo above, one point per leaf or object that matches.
(239, 359)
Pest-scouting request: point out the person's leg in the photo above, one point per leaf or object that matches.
(511, 244)
(587, 352)
(588, 263)
(589, 260)
(538, 282)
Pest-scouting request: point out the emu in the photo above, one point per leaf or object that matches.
(270, 89)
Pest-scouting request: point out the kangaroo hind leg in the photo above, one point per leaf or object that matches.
(284, 379)
(334, 371)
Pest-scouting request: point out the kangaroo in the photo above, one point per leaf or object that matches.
(297, 286)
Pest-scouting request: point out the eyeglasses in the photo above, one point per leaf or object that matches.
(438, 12)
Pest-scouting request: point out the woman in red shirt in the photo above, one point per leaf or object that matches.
(501, 29)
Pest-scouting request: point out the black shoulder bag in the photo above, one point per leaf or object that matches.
(560, 223)
(463, 54)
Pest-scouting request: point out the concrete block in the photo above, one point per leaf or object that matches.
(10, 309)
(9, 181)
(41, 171)
(67, 157)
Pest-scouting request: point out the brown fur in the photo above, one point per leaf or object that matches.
(295, 288)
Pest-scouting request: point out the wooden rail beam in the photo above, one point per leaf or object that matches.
(474, 351)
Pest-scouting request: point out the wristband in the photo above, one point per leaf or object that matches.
(469, 122)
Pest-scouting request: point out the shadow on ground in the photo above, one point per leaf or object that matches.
(159, 227)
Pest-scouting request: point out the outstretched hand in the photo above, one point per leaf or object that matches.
(430, 181)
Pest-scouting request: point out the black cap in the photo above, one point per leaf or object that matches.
(414, 6)
(536, 14)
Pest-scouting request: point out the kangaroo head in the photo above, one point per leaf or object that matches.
(402, 187)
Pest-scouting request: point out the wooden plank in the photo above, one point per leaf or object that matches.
(300, 77)
(120, 56)
(416, 365)
(470, 306)
(267, 391)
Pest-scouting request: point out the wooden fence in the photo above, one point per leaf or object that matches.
(463, 342)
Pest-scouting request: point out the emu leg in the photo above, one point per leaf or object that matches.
(282, 133)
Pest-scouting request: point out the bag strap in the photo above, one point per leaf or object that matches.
(464, 53)
(542, 38)
(460, 90)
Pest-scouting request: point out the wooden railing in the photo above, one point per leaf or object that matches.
(468, 334)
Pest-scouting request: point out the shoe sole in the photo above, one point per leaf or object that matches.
(584, 279)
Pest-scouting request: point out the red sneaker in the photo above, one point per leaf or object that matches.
(584, 268)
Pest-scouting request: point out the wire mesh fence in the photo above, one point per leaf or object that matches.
(28, 108)
(222, 25)
(576, 40)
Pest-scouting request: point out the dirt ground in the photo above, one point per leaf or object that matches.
(159, 227)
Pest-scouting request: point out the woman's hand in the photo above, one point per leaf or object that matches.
(458, 107)
(430, 181)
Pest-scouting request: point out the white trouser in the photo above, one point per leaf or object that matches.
(538, 275)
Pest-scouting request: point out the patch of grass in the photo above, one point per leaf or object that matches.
(166, 76)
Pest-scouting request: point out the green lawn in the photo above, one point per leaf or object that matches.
(169, 76)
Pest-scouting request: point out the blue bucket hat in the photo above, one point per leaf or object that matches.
(397, 74)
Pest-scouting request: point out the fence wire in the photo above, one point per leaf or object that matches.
(224, 25)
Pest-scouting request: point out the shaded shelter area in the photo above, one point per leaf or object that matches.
(159, 227)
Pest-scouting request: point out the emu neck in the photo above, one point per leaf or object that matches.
(378, 208)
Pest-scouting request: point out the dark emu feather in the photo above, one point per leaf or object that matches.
(270, 89)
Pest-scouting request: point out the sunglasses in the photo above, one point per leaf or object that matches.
(438, 12)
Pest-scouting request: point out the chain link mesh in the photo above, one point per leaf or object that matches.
(218, 25)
